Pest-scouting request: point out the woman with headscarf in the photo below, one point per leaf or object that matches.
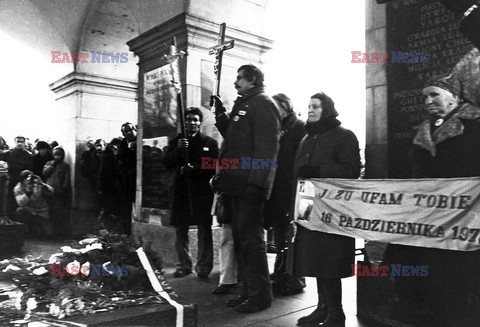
(327, 151)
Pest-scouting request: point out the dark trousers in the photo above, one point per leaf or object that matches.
(281, 226)
(330, 293)
(37, 225)
(250, 247)
(59, 213)
(205, 248)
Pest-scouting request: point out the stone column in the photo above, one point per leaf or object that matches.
(92, 106)
(376, 149)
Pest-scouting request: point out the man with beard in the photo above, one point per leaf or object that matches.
(250, 133)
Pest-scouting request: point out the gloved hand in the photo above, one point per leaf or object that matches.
(253, 192)
(217, 102)
(308, 172)
(187, 170)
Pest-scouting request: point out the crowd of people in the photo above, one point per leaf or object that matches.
(38, 191)
(251, 198)
(39, 183)
(254, 198)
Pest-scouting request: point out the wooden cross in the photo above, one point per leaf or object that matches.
(218, 50)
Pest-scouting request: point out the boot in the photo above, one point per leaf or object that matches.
(335, 318)
(332, 289)
(315, 318)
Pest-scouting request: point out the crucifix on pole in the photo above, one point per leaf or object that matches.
(172, 59)
(218, 50)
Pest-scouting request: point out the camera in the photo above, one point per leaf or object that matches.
(32, 179)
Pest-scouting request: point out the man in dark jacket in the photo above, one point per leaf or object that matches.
(248, 155)
(191, 177)
(18, 159)
(447, 145)
(127, 167)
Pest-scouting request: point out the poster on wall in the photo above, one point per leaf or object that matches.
(159, 102)
(159, 124)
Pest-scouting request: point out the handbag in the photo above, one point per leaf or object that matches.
(221, 209)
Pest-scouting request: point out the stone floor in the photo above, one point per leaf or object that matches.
(212, 311)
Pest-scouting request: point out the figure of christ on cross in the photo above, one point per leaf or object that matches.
(218, 50)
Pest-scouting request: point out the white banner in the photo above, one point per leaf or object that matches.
(434, 213)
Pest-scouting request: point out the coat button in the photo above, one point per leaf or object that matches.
(308, 156)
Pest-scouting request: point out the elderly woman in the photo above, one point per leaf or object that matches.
(327, 151)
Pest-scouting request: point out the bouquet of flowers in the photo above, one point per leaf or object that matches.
(94, 275)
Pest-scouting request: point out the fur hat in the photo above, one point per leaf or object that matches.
(447, 83)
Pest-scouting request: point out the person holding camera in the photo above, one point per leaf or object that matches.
(31, 196)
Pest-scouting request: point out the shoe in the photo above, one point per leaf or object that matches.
(223, 288)
(202, 274)
(286, 291)
(315, 318)
(182, 273)
(271, 248)
(335, 318)
(250, 306)
(236, 301)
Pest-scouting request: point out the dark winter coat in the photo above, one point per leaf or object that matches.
(127, 166)
(449, 151)
(89, 165)
(452, 149)
(18, 160)
(282, 195)
(251, 131)
(39, 162)
(110, 187)
(202, 195)
(333, 152)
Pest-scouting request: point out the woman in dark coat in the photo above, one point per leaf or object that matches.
(277, 208)
(327, 151)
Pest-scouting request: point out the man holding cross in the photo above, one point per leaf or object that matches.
(251, 132)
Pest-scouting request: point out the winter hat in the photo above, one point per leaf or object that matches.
(42, 145)
(24, 174)
(447, 83)
(59, 150)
